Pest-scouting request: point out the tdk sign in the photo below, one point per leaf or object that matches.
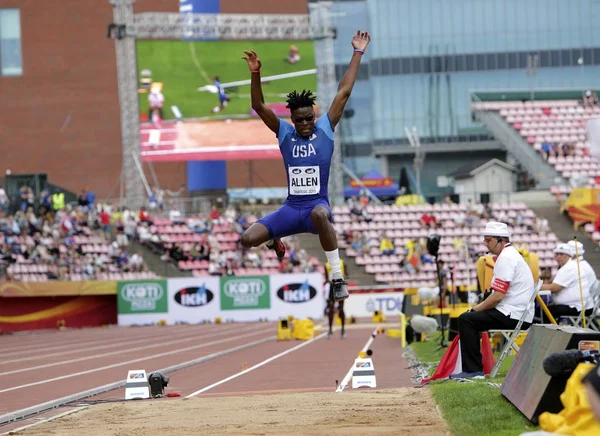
(194, 297)
(297, 292)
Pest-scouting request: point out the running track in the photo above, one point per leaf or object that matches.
(43, 366)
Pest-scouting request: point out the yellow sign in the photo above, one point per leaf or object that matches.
(485, 268)
(57, 288)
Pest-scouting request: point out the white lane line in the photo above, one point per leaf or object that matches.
(99, 347)
(258, 365)
(348, 375)
(116, 365)
(42, 421)
(126, 350)
(33, 347)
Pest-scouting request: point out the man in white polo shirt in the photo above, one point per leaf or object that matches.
(512, 286)
(588, 275)
(565, 288)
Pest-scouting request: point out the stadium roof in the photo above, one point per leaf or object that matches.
(476, 166)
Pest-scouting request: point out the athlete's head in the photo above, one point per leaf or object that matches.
(302, 111)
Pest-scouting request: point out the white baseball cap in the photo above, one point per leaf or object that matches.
(564, 249)
(495, 228)
(580, 249)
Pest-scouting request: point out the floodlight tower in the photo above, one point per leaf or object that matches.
(131, 179)
(128, 27)
(320, 17)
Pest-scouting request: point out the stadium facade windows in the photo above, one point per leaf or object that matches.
(11, 63)
(427, 56)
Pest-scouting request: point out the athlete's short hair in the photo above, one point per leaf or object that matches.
(305, 99)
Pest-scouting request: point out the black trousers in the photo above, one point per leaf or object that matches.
(470, 326)
(559, 310)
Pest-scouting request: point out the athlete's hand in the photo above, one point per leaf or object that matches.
(361, 40)
(253, 61)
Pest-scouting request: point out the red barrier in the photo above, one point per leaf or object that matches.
(18, 314)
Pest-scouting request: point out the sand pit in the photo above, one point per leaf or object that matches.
(405, 411)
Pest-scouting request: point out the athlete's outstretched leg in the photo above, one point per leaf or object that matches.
(342, 318)
(258, 234)
(255, 235)
(320, 217)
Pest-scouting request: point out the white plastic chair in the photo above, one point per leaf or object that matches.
(512, 335)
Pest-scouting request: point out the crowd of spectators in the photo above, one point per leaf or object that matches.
(53, 240)
(414, 255)
(216, 242)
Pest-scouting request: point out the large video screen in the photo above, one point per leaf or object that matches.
(205, 86)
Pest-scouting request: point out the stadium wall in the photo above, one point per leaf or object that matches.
(61, 116)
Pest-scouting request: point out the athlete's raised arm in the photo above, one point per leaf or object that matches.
(359, 41)
(256, 94)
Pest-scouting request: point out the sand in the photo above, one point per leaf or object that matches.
(405, 411)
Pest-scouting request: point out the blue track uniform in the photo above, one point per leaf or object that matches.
(307, 161)
(222, 96)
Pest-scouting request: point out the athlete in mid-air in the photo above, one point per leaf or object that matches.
(306, 147)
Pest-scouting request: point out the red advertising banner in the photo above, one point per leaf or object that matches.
(18, 314)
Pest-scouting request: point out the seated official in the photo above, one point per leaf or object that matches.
(565, 288)
(512, 286)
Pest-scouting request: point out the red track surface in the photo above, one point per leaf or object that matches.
(29, 362)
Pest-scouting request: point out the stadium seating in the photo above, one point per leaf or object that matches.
(222, 238)
(554, 123)
(76, 254)
(400, 224)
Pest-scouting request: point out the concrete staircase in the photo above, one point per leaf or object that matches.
(545, 206)
(521, 151)
(155, 263)
(356, 273)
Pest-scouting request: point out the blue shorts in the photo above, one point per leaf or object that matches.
(291, 220)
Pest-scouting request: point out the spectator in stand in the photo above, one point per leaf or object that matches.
(387, 247)
(541, 225)
(175, 216)
(3, 200)
(129, 226)
(428, 220)
(460, 219)
(588, 99)
(145, 216)
(91, 199)
(82, 200)
(176, 252)
(357, 243)
(356, 209)
(364, 199)
(104, 218)
(548, 149)
(143, 233)
(214, 214)
(58, 200)
(230, 213)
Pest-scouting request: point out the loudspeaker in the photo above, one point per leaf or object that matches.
(526, 385)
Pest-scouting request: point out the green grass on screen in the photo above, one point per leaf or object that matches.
(183, 67)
